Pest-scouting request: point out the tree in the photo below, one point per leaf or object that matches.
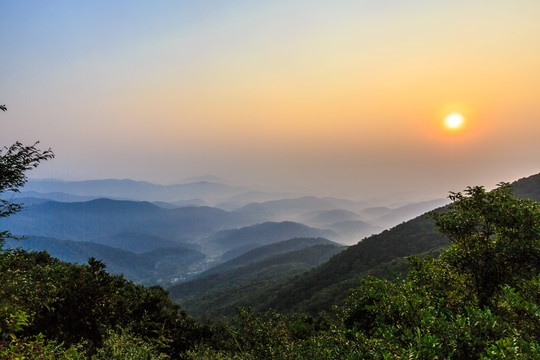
(15, 161)
(495, 237)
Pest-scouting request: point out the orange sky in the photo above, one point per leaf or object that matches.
(344, 98)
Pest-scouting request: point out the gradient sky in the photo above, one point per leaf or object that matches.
(346, 98)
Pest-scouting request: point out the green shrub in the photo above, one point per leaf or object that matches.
(121, 345)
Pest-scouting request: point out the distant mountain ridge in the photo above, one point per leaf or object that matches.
(135, 190)
(324, 218)
(95, 219)
(289, 208)
(54, 196)
(331, 210)
(245, 201)
(263, 234)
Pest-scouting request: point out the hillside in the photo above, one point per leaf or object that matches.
(352, 231)
(146, 268)
(137, 243)
(210, 295)
(263, 252)
(528, 187)
(328, 283)
(262, 234)
(305, 292)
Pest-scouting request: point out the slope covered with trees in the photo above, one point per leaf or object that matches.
(266, 251)
(478, 300)
(327, 284)
(210, 295)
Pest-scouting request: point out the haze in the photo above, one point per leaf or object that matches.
(341, 98)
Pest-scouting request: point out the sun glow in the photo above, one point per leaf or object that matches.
(454, 121)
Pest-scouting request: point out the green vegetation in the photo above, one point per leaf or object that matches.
(445, 308)
(382, 255)
(55, 310)
(326, 285)
(15, 161)
(211, 295)
(80, 305)
(266, 251)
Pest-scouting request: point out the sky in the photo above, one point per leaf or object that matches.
(339, 98)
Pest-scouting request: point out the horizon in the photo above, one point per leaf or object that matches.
(395, 199)
(343, 99)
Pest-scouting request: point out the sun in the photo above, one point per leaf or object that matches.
(454, 121)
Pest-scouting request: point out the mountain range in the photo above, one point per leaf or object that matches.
(96, 219)
(274, 253)
(261, 234)
(135, 190)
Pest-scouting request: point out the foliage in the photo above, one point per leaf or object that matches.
(274, 336)
(38, 348)
(436, 312)
(327, 285)
(49, 308)
(52, 307)
(210, 295)
(74, 304)
(120, 345)
(495, 237)
(15, 161)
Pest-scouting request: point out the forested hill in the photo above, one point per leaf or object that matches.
(219, 294)
(328, 283)
(528, 187)
(266, 251)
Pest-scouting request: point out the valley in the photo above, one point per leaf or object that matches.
(155, 234)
